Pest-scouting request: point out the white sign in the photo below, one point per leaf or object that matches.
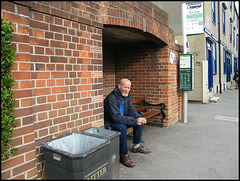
(194, 18)
(185, 61)
(171, 57)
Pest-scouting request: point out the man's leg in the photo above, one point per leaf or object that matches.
(124, 157)
(123, 137)
(137, 138)
(137, 134)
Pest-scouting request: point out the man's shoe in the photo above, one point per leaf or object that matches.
(127, 161)
(141, 149)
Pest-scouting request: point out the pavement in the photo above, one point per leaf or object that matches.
(206, 147)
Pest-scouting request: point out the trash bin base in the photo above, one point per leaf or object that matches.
(98, 171)
(113, 152)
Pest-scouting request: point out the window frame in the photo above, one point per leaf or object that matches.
(230, 26)
(224, 20)
(214, 12)
(233, 38)
(214, 57)
(224, 60)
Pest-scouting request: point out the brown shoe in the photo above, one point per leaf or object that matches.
(141, 149)
(127, 161)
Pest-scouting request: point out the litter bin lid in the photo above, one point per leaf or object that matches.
(76, 144)
(101, 132)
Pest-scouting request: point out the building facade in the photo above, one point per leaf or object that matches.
(71, 54)
(215, 49)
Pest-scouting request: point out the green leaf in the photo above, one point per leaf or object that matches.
(7, 102)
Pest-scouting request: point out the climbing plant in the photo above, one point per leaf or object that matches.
(7, 102)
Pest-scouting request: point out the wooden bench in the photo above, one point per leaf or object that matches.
(143, 109)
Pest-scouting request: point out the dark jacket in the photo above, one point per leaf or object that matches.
(236, 75)
(112, 112)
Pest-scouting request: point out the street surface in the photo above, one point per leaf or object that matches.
(207, 147)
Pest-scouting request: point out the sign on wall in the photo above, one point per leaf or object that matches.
(194, 18)
(171, 57)
(186, 72)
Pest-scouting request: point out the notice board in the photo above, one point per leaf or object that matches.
(186, 72)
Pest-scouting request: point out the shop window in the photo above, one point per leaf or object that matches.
(235, 64)
(237, 22)
(224, 20)
(214, 55)
(224, 61)
(233, 38)
(237, 42)
(233, 15)
(230, 31)
(214, 12)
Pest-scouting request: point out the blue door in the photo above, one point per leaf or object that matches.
(235, 64)
(228, 66)
(210, 64)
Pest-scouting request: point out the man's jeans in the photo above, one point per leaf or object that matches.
(137, 136)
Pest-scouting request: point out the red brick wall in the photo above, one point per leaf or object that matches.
(142, 15)
(58, 73)
(109, 67)
(147, 66)
(61, 76)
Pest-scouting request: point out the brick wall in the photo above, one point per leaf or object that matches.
(62, 77)
(109, 65)
(143, 15)
(147, 66)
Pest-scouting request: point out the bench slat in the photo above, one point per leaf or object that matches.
(138, 100)
(151, 114)
(129, 130)
(147, 114)
(141, 108)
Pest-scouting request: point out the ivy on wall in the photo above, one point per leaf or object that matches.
(7, 101)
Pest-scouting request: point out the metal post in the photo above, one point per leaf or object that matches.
(184, 40)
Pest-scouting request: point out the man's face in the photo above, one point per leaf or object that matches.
(125, 88)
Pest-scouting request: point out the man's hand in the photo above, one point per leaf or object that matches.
(141, 121)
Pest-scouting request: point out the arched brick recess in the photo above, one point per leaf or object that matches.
(146, 64)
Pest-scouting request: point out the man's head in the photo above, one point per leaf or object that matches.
(124, 87)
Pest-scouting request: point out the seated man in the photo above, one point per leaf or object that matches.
(119, 114)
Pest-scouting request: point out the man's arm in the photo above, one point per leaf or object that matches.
(112, 109)
(132, 111)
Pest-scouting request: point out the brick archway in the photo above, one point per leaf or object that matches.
(151, 25)
(145, 63)
(145, 17)
(124, 54)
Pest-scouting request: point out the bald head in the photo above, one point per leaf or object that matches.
(124, 87)
(125, 81)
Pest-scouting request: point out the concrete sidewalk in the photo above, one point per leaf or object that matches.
(207, 147)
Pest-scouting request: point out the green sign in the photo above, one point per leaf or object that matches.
(186, 72)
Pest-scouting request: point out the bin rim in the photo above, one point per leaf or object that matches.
(70, 155)
(116, 133)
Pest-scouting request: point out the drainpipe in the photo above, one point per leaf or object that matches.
(219, 49)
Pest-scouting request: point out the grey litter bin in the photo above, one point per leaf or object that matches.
(77, 156)
(114, 148)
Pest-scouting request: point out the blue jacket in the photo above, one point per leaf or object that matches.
(112, 113)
